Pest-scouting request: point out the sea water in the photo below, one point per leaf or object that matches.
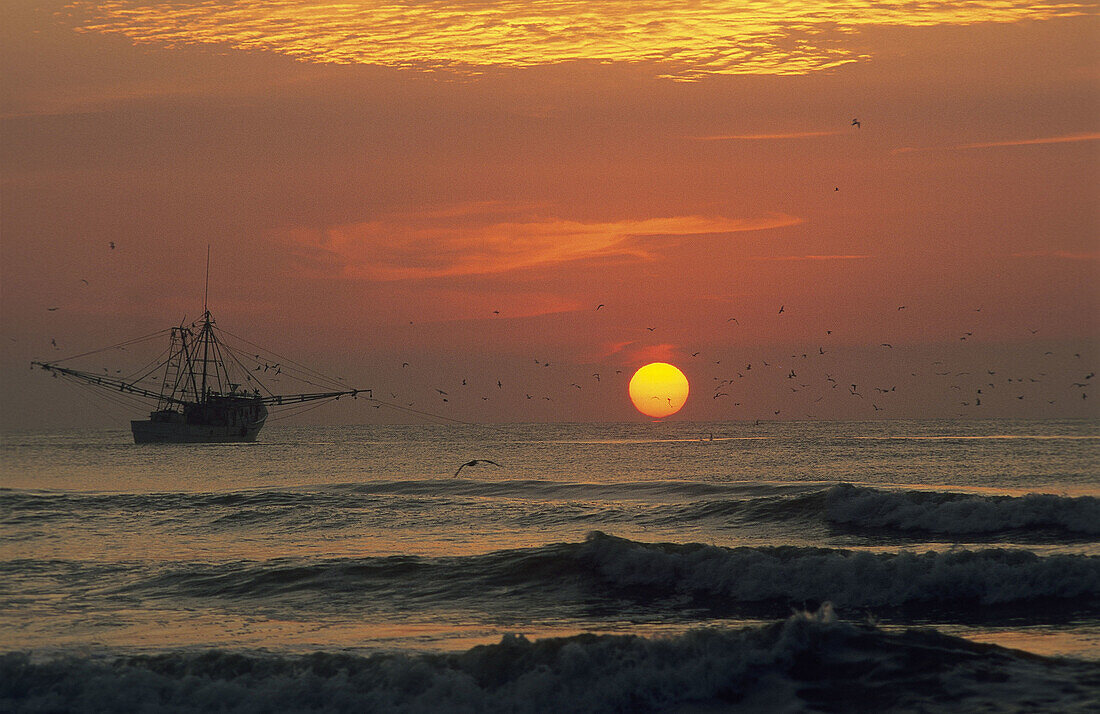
(815, 566)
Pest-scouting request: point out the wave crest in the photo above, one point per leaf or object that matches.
(958, 513)
(808, 662)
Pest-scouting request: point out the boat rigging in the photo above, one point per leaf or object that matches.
(204, 390)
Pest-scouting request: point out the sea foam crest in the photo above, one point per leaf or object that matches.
(847, 578)
(959, 513)
(809, 662)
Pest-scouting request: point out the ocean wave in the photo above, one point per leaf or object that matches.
(604, 566)
(898, 514)
(810, 662)
(959, 513)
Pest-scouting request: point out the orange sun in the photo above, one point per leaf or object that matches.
(658, 389)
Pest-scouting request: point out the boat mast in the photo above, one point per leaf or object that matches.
(205, 326)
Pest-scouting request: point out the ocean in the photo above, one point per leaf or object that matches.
(681, 567)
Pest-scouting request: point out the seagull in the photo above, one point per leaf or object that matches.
(855, 123)
(599, 306)
(475, 462)
(52, 309)
(781, 309)
(112, 244)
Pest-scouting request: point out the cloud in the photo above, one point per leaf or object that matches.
(1065, 139)
(478, 239)
(808, 257)
(766, 137)
(687, 40)
(1064, 254)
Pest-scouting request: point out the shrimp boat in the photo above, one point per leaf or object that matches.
(208, 391)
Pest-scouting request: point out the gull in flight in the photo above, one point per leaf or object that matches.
(475, 462)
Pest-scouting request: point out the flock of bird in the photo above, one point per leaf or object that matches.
(816, 382)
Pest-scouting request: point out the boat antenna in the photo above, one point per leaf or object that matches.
(206, 289)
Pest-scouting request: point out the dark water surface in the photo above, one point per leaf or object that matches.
(622, 567)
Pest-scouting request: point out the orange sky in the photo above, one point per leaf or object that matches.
(458, 185)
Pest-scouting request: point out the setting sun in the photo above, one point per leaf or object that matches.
(658, 389)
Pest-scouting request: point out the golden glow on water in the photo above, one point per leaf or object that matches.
(687, 40)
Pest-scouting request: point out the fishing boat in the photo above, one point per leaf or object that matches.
(208, 391)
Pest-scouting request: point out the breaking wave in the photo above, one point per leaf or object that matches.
(901, 514)
(959, 513)
(604, 566)
(810, 662)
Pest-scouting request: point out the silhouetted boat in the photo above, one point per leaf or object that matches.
(199, 399)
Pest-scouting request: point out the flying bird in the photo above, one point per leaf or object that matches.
(855, 123)
(112, 244)
(781, 309)
(52, 309)
(599, 306)
(475, 462)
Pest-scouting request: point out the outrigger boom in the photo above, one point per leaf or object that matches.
(124, 386)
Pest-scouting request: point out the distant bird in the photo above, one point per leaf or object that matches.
(651, 329)
(855, 123)
(887, 344)
(54, 343)
(734, 319)
(112, 244)
(901, 307)
(496, 312)
(781, 309)
(404, 365)
(599, 306)
(475, 462)
(694, 354)
(441, 392)
(84, 281)
(52, 309)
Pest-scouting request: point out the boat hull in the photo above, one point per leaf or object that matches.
(158, 432)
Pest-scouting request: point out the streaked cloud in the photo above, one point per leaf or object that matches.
(685, 39)
(432, 245)
(767, 137)
(809, 257)
(1091, 136)
(1064, 254)
(1065, 139)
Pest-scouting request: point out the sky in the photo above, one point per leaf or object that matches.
(818, 210)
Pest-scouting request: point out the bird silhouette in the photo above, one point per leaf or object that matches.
(855, 123)
(781, 309)
(475, 462)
